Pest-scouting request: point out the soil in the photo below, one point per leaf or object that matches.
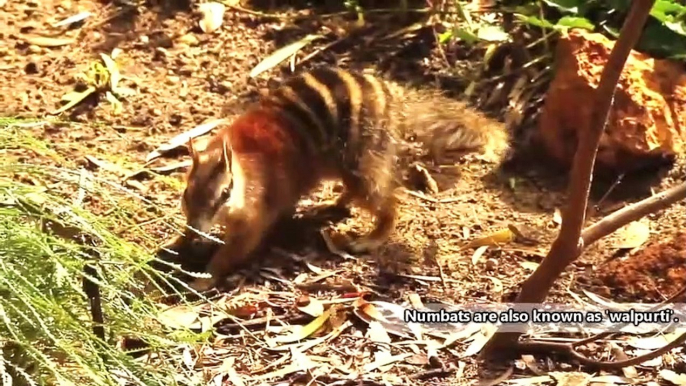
(184, 77)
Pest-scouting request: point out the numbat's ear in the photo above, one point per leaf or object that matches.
(226, 155)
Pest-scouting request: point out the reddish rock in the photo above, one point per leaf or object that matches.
(648, 117)
(655, 272)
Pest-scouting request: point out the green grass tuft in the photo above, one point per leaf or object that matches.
(47, 235)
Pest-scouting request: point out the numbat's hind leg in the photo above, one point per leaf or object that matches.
(374, 190)
(384, 211)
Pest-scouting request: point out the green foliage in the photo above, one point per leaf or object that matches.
(46, 336)
(664, 34)
(473, 32)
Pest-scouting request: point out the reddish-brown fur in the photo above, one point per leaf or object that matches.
(326, 124)
(276, 172)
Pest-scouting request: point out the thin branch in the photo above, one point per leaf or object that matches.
(569, 244)
(587, 147)
(676, 298)
(632, 212)
(568, 350)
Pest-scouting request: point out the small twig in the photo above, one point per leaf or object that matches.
(610, 190)
(430, 253)
(632, 213)
(322, 49)
(294, 319)
(330, 15)
(439, 372)
(567, 349)
(92, 291)
(421, 195)
(499, 379)
(676, 298)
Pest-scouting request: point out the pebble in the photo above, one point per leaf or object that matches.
(189, 39)
(491, 264)
(31, 68)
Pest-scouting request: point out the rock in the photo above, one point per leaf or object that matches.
(189, 39)
(647, 120)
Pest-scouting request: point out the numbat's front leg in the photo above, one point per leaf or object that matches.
(245, 231)
(258, 200)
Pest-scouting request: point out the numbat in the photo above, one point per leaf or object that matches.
(323, 124)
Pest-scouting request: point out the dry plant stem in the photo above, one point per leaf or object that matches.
(568, 350)
(632, 212)
(568, 245)
(676, 298)
(92, 290)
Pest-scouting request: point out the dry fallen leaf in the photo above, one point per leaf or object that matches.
(44, 41)
(673, 377)
(183, 138)
(571, 378)
(282, 54)
(74, 98)
(182, 316)
(557, 216)
(530, 265)
(632, 235)
(480, 340)
(377, 333)
(415, 300)
(212, 16)
(229, 367)
(314, 307)
(299, 363)
(650, 343)
(112, 68)
(301, 332)
(612, 380)
(478, 253)
(366, 311)
(73, 19)
(500, 237)
(384, 361)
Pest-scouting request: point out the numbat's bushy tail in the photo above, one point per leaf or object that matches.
(323, 124)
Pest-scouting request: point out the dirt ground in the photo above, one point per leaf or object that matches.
(184, 77)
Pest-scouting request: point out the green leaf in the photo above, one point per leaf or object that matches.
(664, 7)
(535, 21)
(659, 40)
(466, 35)
(576, 22)
(528, 9)
(445, 37)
